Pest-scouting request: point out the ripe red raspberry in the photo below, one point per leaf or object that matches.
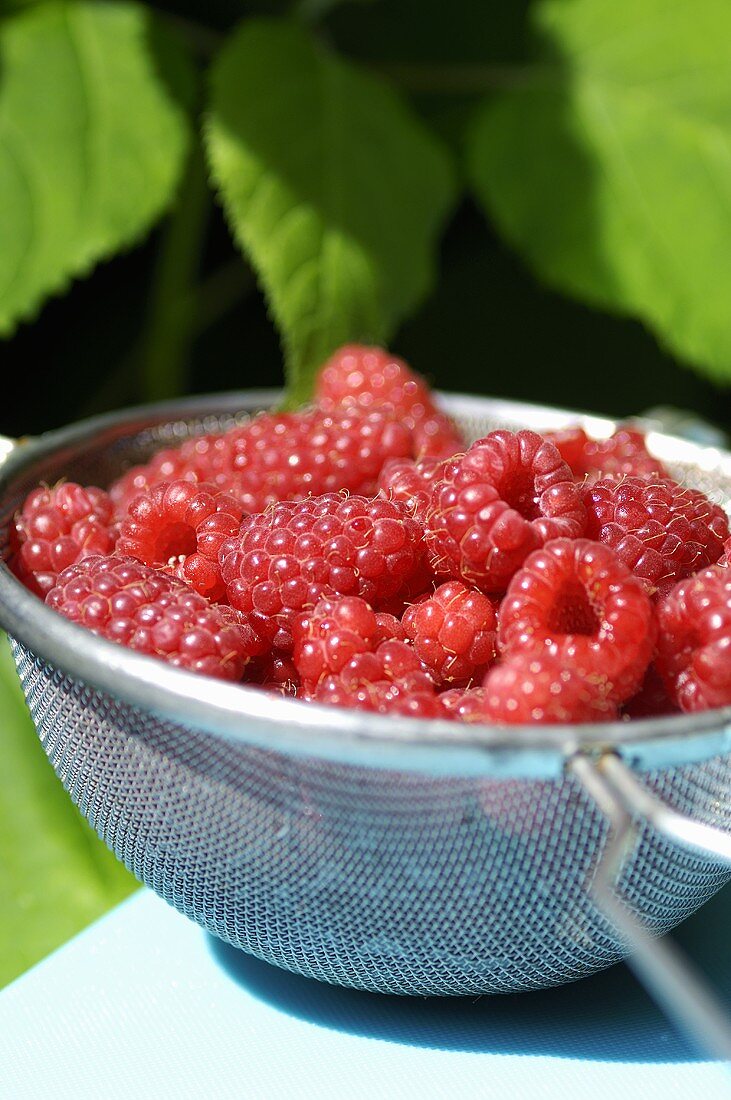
(410, 482)
(389, 628)
(141, 608)
(390, 680)
(330, 635)
(280, 456)
(284, 560)
(623, 454)
(464, 704)
(274, 673)
(454, 632)
(57, 527)
(182, 525)
(694, 643)
(542, 688)
(509, 494)
(659, 529)
(652, 700)
(580, 601)
(726, 558)
(368, 378)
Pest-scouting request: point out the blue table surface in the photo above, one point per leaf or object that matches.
(146, 1004)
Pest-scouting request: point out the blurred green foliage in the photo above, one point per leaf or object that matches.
(528, 198)
(55, 875)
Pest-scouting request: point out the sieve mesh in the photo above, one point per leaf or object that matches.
(391, 881)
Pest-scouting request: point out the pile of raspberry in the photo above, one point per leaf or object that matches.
(360, 553)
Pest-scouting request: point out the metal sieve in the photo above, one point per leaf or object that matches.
(379, 853)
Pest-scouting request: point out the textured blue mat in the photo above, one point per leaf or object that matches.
(144, 1004)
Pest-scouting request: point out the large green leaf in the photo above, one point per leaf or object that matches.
(55, 874)
(92, 141)
(334, 190)
(610, 170)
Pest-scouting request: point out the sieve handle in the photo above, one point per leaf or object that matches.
(673, 982)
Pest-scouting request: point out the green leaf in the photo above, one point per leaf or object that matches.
(610, 170)
(56, 876)
(92, 142)
(333, 188)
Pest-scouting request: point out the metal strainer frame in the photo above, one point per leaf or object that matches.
(603, 758)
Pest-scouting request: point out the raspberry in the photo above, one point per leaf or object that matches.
(508, 495)
(464, 705)
(367, 378)
(410, 482)
(334, 632)
(726, 559)
(182, 525)
(660, 530)
(139, 607)
(389, 628)
(57, 527)
(580, 601)
(284, 560)
(694, 644)
(623, 454)
(280, 456)
(390, 680)
(454, 633)
(652, 700)
(542, 688)
(275, 673)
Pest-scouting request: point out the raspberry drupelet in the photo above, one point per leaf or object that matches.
(454, 632)
(542, 688)
(577, 599)
(367, 378)
(287, 558)
(152, 612)
(662, 531)
(694, 643)
(464, 704)
(56, 528)
(623, 454)
(390, 680)
(181, 525)
(509, 494)
(280, 456)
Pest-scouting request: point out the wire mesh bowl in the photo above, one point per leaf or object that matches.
(379, 853)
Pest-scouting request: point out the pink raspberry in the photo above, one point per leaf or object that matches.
(652, 700)
(659, 529)
(579, 600)
(623, 454)
(286, 559)
(464, 704)
(410, 482)
(330, 635)
(694, 643)
(454, 633)
(280, 456)
(509, 494)
(391, 680)
(141, 608)
(542, 688)
(181, 525)
(56, 528)
(368, 378)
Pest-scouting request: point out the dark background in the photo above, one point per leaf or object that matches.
(488, 327)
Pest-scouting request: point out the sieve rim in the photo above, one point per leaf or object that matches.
(251, 716)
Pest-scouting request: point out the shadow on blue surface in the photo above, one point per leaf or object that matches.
(607, 1017)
